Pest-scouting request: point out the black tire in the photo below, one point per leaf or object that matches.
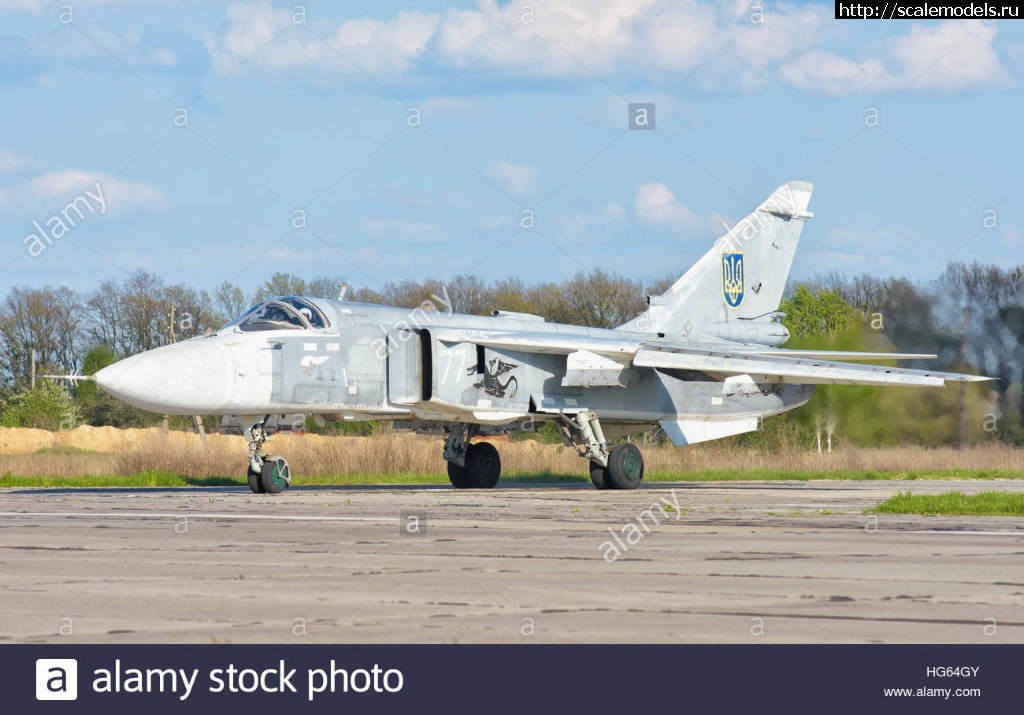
(255, 481)
(483, 465)
(599, 476)
(457, 476)
(625, 466)
(275, 475)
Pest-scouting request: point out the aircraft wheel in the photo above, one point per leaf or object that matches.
(255, 482)
(457, 476)
(625, 466)
(275, 476)
(599, 476)
(483, 465)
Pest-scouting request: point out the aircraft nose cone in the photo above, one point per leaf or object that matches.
(180, 379)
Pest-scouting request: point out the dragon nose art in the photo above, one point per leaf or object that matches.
(181, 379)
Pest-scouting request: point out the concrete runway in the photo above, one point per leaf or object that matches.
(740, 562)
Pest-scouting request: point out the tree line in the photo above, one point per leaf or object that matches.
(142, 312)
(971, 317)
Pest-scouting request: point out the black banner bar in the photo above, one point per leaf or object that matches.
(155, 679)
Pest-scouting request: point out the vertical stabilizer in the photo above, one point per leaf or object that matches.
(734, 290)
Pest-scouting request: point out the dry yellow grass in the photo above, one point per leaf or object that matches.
(105, 450)
(874, 459)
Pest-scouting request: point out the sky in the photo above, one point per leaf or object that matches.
(381, 141)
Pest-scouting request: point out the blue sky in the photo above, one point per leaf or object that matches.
(521, 107)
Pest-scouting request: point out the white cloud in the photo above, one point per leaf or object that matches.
(656, 205)
(571, 39)
(722, 44)
(827, 72)
(121, 196)
(566, 36)
(512, 178)
(951, 55)
(264, 38)
(583, 38)
(11, 163)
(95, 47)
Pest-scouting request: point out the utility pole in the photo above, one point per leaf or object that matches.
(963, 385)
(165, 423)
(33, 379)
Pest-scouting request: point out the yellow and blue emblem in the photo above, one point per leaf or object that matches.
(732, 279)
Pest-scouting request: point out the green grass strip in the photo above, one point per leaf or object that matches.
(955, 503)
(154, 478)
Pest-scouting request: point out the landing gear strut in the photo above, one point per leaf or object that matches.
(267, 475)
(470, 466)
(622, 467)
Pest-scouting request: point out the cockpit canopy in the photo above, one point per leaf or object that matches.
(287, 313)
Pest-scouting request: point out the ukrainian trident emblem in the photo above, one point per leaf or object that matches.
(732, 279)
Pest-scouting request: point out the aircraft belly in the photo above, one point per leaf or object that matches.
(657, 395)
(721, 399)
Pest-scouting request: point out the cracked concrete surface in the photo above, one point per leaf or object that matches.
(738, 562)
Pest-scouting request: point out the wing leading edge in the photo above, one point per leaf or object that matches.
(776, 365)
(809, 367)
(800, 369)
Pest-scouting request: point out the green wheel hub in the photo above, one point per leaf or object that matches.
(275, 475)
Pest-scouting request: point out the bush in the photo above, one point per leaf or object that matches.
(49, 406)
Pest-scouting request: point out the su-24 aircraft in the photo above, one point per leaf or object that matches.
(703, 362)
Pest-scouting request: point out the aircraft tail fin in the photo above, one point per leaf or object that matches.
(734, 290)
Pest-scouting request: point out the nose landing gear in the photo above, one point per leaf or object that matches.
(267, 475)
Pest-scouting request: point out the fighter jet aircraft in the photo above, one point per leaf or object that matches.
(703, 361)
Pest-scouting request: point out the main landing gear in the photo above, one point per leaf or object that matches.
(622, 467)
(470, 466)
(267, 475)
(478, 466)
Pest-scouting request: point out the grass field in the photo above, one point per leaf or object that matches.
(104, 456)
(955, 503)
